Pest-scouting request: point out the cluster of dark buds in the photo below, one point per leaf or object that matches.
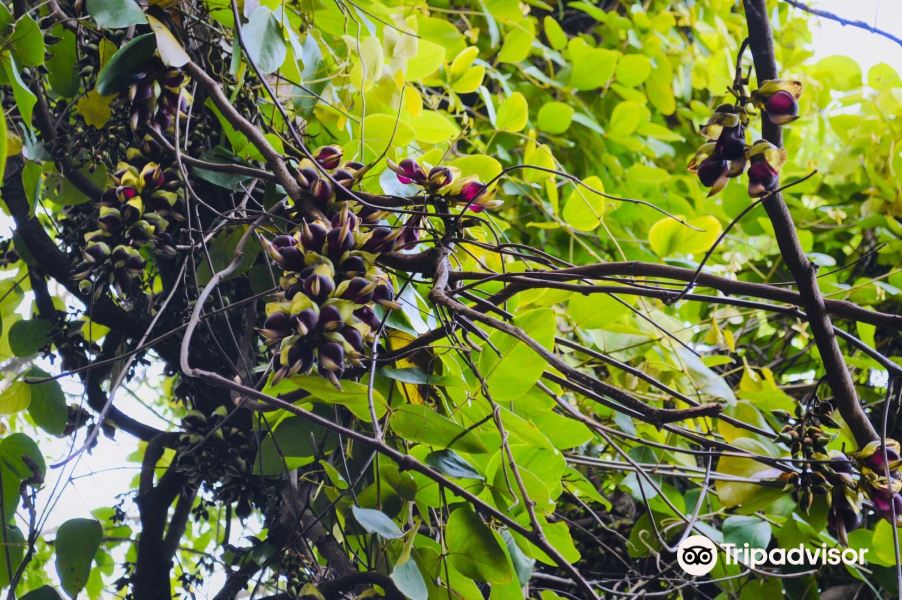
(324, 315)
(137, 213)
(325, 191)
(826, 473)
(447, 182)
(157, 96)
(885, 493)
(726, 154)
(330, 197)
(219, 453)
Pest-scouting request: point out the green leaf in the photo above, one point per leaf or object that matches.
(409, 580)
(633, 69)
(28, 336)
(555, 34)
(555, 117)
(3, 145)
(592, 67)
(45, 592)
(77, 541)
(669, 237)
(61, 71)
(48, 403)
(420, 423)
(222, 251)
(294, 442)
(116, 14)
(585, 209)
(376, 521)
(751, 530)
(450, 463)
(171, 52)
(517, 44)
(625, 118)
(352, 395)
(513, 113)
(474, 549)
(28, 42)
(263, 39)
(13, 550)
(732, 493)
(518, 367)
(839, 73)
(124, 67)
(20, 460)
(647, 175)
(25, 98)
(433, 127)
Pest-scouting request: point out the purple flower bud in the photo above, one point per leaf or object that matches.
(380, 240)
(353, 337)
(313, 236)
(885, 505)
(354, 265)
(292, 259)
(339, 240)
(781, 108)
(329, 157)
(305, 321)
(283, 241)
(711, 170)
(368, 317)
(276, 326)
(332, 357)
(318, 287)
(321, 190)
(470, 191)
(763, 178)
(359, 291)
(306, 176)
(439, 177)
(330, 318)
(384, 295)
(731, 143)
(408, 171)
(876, 462)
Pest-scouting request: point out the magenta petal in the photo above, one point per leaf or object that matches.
(404, 180)
(470, 191)
(476, 208)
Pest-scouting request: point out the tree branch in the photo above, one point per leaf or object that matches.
(844, 22)
(803, 271)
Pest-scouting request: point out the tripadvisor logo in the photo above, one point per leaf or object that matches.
(697, 555)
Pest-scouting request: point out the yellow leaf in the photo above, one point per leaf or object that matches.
(94, 108)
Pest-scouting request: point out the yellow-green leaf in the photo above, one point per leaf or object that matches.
(669, 237)
(513, 113)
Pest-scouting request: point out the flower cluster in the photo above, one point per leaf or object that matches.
(844, 482)
(157, 96)
(323, 316)
(885, 493)
(726, 154)
(447, 182)
(137, 213)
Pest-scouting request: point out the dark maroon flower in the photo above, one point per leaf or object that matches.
(329, 157)
(408, 171)
(276, 326)
(781, 108)
(763, 178)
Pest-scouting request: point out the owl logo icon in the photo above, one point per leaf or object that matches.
(697, 555)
